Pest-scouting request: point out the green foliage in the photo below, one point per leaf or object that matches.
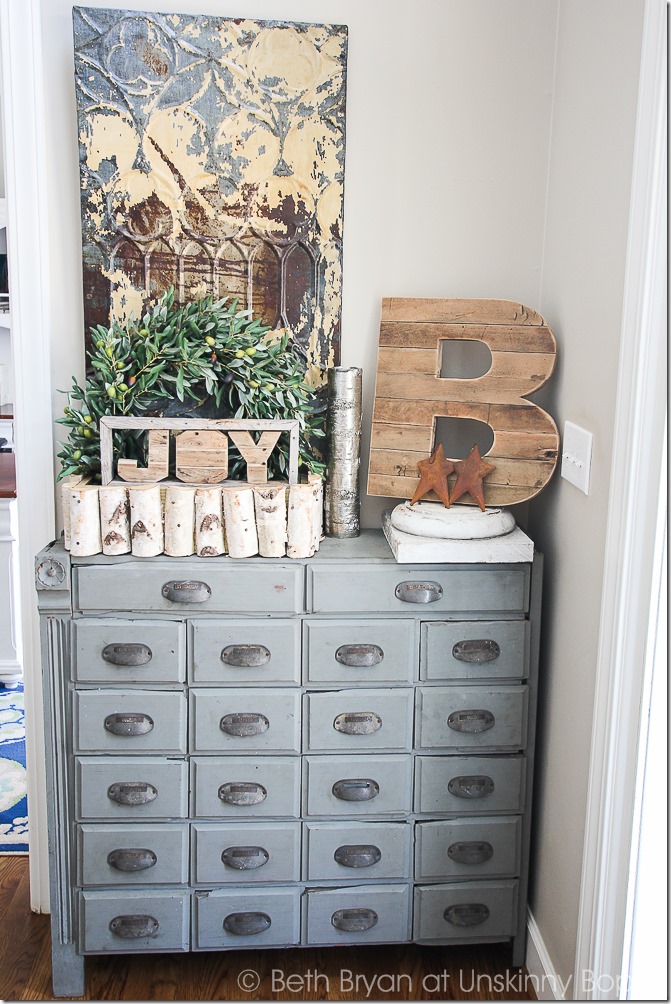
(208, 355)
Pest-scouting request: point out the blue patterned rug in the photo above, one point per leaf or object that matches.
(13, 803)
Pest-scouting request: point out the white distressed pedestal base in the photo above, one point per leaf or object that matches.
(442, 535)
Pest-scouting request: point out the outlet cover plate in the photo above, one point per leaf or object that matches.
(576, 457)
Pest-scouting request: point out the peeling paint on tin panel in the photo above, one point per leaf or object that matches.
(204, 140)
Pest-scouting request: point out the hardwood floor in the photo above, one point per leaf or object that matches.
(403, 972)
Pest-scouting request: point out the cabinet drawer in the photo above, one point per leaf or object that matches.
(133, 854)
(248, 917)
(366, 652)
(359, 720)
(195, 587)
(356, 851)
(474, 650)
(463, 785)
(358, 915)
(255, 719)
(459, 589)
(244, 853)
(358, 785)
(128, 721)
(131, 788)
(472, 717)
(134, 921)
(246, 651)
(468, 848)
(244, 787)
(465, 911)
(129, 651)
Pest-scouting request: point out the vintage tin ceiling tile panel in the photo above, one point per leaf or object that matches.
(212, 158)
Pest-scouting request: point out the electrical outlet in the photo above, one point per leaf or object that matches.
(576, 457)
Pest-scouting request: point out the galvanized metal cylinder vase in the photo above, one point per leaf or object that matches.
(344, 451)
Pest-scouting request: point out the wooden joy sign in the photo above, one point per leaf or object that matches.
(410, 394)
(201, 449)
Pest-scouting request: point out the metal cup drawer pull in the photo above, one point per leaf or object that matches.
(134, 926)
(470, 852)
(466, 914)
(471, 786)
(359, 656)
(127, 723)
(245, 656)
(359, 919)
(477, 650)
(245, 858)
(356, 789)
(242, 793)
(357, 723)
(418, 592)
(131, 859)
(186, 591)
(247, 923)
(244, 724)
(132, 792)
(471, 721)
(127, 653)
(357, 855)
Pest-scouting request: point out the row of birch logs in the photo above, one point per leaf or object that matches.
(180, 520)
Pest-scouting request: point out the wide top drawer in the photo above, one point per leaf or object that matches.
(421, 589)
(190, 586)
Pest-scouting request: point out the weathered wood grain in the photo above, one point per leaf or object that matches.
(498, 389)
(157, 465)
(256, 455)
(503, 337)
(411, 395)
(398, 487)
(403, 437)
(402, 462)
(525, 445)
(189, 448)
(456, 311)
(201, 456)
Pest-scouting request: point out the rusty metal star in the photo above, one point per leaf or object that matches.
(470, 473)
(433, 475)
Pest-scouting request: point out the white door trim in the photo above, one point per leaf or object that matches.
(26, 184)
(630, 540)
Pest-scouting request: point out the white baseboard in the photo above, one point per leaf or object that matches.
(542, 973)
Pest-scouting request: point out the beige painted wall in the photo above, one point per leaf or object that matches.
(596, 86)
(448, 119)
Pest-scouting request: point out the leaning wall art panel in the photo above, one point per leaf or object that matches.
(212, 159)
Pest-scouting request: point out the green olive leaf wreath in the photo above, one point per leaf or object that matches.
(206, 358)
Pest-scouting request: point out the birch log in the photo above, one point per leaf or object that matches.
(240, 522)
(209, 522)
(270, 505)
(146, 520)
(300, 521)
(318, 515)
(67, 484)
(114, 519)
(84, 520)
(179, 520)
